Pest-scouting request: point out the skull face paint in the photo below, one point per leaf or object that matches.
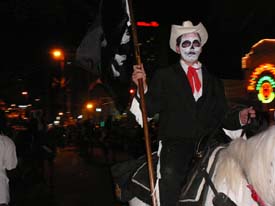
(190, 47)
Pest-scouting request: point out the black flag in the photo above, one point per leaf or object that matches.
(106, 50)
(88, 54)
(117, 74)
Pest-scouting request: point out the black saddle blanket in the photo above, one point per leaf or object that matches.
(133, 179)
(195, 189)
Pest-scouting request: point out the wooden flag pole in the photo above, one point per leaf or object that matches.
(143, 108)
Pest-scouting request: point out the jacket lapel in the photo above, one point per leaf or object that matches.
(184, 89)
(205, 83)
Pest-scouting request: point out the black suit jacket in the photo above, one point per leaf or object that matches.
(181, 117)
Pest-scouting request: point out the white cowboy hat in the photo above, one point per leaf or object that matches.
(185, 28)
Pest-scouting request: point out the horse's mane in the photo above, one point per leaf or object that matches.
(259, 163)
(228, 169)
(252, 160)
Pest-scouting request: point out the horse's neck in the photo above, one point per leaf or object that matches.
(229, 179)
(259, 164)
(251, 161)
(228, 165)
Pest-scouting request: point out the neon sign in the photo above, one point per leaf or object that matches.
(265, 88)
(255, 75)
(148, 24)
(262, 80)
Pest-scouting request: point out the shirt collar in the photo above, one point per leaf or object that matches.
(196, 65)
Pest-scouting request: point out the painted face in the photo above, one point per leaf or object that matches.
(190, 47)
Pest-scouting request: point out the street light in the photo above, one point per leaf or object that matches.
(59, 55)
(89, 109)
(89, 106)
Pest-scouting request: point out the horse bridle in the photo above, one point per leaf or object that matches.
(220, 198)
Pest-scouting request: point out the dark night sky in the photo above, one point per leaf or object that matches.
(31, 27)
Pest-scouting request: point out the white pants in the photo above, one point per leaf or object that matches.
(4, 189)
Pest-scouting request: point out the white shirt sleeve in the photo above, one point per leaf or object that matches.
(135, 110)
(10, 156)
(234, 134)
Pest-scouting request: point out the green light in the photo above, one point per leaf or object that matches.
(265, 78)
(102, 124)
(264, 100)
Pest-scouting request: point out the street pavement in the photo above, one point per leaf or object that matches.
(76, 181)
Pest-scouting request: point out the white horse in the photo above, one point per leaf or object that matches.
(247, 164)
(244, 169)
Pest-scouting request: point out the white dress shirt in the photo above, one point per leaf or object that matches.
(8, 161)
(197, 66)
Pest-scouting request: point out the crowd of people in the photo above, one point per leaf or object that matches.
(34, 146)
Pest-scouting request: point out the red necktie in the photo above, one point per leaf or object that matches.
(193, 78)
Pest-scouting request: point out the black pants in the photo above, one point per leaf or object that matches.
(175, 160)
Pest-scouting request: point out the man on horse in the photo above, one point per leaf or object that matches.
(191, 104)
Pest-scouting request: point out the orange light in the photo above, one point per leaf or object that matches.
(266, 89)
(89, 105)
(57, 54)
(250, 88)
